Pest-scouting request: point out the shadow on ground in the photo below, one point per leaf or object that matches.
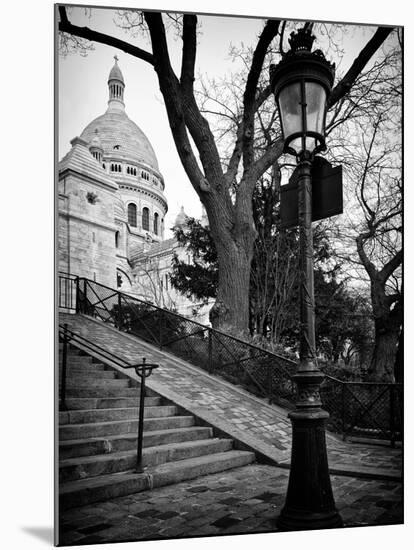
(44, 534)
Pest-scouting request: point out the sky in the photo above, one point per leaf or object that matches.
(83, 90)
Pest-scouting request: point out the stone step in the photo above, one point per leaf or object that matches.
(85, 403)
(104, 392)
(89, 373)
(106, 415)
(81, 367)
(92, 382)
(83, 467)
(70, 349)
(99, 429)
(86, 447)
(78, 359)
(97, 489)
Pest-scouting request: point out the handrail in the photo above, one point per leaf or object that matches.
(67, 274)
(91, 346)
(362, 382)
(143, 370)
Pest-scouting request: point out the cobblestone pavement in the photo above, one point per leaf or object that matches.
(244, 500)
(234, 408)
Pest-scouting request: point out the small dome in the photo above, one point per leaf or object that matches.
(181, 219)
(95, 142)
(116, 73)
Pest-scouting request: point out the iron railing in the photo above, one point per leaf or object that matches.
(143, 370)
(367, 409)
(356, 408)
(67, 291)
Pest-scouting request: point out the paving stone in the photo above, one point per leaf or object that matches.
(91, 539)
(231, 500)
(202, 489)
(226, 521)
(94, 528)
(243, 509)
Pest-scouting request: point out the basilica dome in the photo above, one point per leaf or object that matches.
(119, 135)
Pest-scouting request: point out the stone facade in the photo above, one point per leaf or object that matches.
(112, 207)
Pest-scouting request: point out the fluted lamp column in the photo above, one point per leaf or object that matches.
(301, 83)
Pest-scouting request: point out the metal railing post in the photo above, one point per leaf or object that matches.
(210, 351)
(269, 384)
(343, 412)
(139, 467)
(77, 296)
(143, 371)
(85, 300)
(119, 316)
(160, 328)
(392, 415)
(64, 367)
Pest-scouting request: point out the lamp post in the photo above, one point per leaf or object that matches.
(301, 83)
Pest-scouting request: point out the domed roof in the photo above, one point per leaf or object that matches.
(118, 133)
(116, 73)
(181, 219)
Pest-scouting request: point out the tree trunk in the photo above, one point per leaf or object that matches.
(399, 359)
(230, 312)
(383, 357)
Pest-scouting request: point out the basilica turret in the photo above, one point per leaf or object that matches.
(95, 147)
(116, 85)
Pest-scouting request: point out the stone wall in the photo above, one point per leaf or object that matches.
(87, 229)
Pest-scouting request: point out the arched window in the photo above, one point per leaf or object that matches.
(156, 223)
(132, 214)
(117, 238)
(145, 219)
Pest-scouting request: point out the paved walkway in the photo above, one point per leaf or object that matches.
(245, 417)
(244, 500)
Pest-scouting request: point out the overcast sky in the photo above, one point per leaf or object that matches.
(83, 90)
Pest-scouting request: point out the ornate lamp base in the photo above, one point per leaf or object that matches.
(309, 501)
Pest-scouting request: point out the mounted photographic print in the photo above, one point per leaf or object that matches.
(229, 275)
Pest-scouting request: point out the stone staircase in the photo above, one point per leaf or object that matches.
(98, 438)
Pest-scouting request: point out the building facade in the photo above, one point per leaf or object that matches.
(112, 209)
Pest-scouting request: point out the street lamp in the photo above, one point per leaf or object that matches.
(301, 83)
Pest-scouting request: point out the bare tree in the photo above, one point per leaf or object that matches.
(152, 285)
(225, 190)
(366, 138)
(380, 252)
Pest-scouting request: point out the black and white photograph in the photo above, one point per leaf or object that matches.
(229, 337)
